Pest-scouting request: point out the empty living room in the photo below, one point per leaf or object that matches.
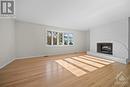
(64, 43)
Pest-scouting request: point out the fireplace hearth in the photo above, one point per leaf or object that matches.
(106, 48)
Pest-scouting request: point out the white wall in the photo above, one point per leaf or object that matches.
(30, 40)
(129, 38)
(88, 40)
(115, 32)
(7, 41)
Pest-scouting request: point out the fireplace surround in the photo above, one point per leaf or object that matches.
(106, 48)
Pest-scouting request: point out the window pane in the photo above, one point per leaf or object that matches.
(65, 39)
(70, 35)
(55, 38)
(49, 36)
(60, 38)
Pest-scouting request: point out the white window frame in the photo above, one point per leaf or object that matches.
(57, 38)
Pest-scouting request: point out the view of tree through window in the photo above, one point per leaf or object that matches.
(55, 38)
(59, 38)
(49, 37)
(70, 37)
(65, 39)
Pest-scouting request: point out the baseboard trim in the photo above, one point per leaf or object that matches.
(48, 55)
(6, 63)
(29, 57)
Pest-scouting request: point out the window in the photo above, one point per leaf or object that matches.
(65, 39)
(59, 38)
(49, 37)
(70, 39)
(55, 38)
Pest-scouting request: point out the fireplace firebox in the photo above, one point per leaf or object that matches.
(106, 48)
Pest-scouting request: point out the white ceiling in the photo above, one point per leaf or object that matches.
(73, 14)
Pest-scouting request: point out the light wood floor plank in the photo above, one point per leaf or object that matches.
(45, 72)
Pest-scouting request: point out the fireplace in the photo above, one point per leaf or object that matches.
(106, 48)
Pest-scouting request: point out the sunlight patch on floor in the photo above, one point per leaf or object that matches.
(88, 62)
(110, 61)
(82, 65)
(91, 59)
(76, 71)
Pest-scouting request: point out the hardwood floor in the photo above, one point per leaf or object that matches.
(45, 72)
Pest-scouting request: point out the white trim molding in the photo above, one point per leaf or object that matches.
(6, 63)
